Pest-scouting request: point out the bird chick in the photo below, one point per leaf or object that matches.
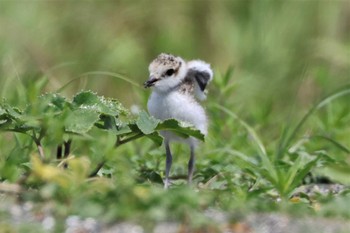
(177, 86)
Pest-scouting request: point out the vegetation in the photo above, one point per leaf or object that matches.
(278, 107)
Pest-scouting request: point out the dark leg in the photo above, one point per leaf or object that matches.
(67, 145)
(168, 162)
(191, 163)
(59, 152)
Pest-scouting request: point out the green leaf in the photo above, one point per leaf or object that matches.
(3, 116)
(91, 101)
(86, 98)
(147, 126)
(81, 121)
(146, 123)
(54, 101)
(109, 122)
(13, 112)
(180, 128)
(125, 129)
(156, 138)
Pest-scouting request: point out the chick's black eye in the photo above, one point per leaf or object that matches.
(170, 72)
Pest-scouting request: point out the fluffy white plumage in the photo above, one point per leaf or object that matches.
(182, 107)
(177, 86)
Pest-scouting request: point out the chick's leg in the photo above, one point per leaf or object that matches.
(191, 163)
(168, 162)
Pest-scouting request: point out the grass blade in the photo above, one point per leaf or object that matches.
(258, 143)
(337, 94)
(104, 73)
(301, 174)
(292, 172)
(334, 142)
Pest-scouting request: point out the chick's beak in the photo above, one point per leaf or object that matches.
(150, 82)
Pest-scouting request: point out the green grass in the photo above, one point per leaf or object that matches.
(278, 108)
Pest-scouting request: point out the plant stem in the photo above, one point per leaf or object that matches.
(97, 169)
(41, 150)
(118, 143)
(40, 147)
(126, 140)
(37, 141)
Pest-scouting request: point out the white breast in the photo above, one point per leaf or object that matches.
(179, 106)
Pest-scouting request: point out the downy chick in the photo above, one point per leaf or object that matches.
(177, 86)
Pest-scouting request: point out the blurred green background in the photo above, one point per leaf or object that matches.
(282, 52)
(273, 60)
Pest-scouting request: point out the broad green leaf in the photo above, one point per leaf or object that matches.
(125, 129)
(91, 101)
(12, 112)
(3, 116)
(180, 128)
(148, 126)
(109, 122)
(146, 123)
(86, 98)
(111, 107)
(54, 101)
(112, 123)
(156, 138)
(81, 121)
(46, 106)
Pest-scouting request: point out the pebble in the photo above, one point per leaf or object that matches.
(167, 227)
(26, 213)
(75, 224)
(124, 228)
(48, 223)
